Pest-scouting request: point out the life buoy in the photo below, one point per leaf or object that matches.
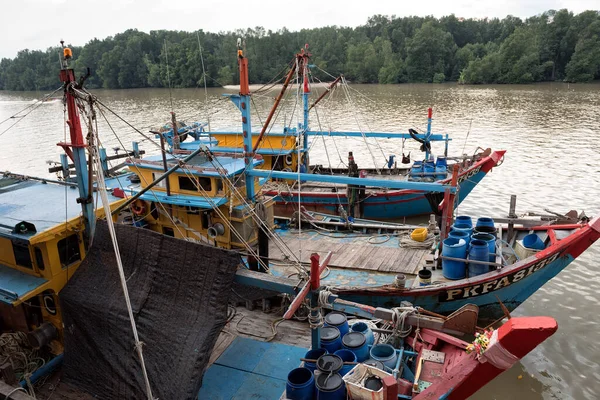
(138, 207)
(288, 159)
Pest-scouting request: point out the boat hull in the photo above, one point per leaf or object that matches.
(384, 204)
(511, 285)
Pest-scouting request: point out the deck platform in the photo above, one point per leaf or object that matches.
(373, 253)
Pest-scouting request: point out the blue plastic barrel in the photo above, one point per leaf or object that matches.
(464, 235)
(346, 356)
(429, 169)
(490, 240)
(464, 219)
(375, 363)
(364, 328)
(441, 173)
(356, 342)
(533, 241)
(385, 353)
(338, 320)
(330, 387)
(479, 252)
(484, 221)
(330, 364)
(313, 355)
(441, 162)
(300, 384)
(462, 227)
(330, 339)
(417, 168)
(456, 248)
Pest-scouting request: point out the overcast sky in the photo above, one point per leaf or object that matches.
(39, 24)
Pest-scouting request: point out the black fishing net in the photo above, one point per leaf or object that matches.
(179, 292)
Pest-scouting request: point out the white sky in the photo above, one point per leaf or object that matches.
(39, 24)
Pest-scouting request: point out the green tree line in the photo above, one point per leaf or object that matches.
(556, 45)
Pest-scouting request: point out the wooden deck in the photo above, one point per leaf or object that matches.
(352, 252)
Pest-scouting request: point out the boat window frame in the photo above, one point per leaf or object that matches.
(66, 263)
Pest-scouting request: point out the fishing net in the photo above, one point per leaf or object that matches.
(179, 292)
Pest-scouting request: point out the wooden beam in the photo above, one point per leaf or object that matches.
(6, 390)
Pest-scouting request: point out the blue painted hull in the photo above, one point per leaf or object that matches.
(384, 204)
(511, 285)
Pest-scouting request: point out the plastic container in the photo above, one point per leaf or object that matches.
(364, 328)
(490, 240)
(479, 252)
(485, 221)
(346, 356)
(441, 162)
(429, 170)
(533, 241)
(356, 342)
(462, 227)
(330, 387)
(441, 173)
(424, 277)
(330, 339)
(313, 355)
(456, 248)
(417, 168)
(373, 383)
(464, 219)
(338, 320)
(464, 235)
(419, 234)
(375, 363)
(486, 229)
(385, 353)
(330, 364)
(300, 384)
(355, 383)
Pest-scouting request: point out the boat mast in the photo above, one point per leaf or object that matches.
(306, 93)
(76, 149)
(244, 106)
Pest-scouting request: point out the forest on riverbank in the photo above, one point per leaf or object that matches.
(553, 46)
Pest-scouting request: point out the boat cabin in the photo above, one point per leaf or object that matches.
(203, 200)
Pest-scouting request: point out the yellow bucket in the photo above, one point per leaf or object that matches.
(419, 234)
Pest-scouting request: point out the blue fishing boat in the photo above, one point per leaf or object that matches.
(288, 150)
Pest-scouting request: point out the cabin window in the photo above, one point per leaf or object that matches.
(68, 250)
(39, 259)
(22, 255)
(187, 183)
(240, 181)
(168, 231)
(163, 183)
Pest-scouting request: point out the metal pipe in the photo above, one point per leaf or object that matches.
(368, 182)
(331, 86)
(157, 181)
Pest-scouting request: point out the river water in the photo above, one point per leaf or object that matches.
(550, 131)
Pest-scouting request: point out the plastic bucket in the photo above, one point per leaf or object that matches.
(330, 387)
(533, 241)
(330, 339)
(479, 252)
(300, 384)
(456, 248)
(364, 328)
(338, 320)
(462, 227)
(464, 219)
(346, 356)
(424, 277)
(386, 354)
(464, 235)
(330, 364)
(490, 240)
(485, 221)
(313, 355)
(356, 342)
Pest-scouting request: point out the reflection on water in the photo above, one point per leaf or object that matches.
(553, 141)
